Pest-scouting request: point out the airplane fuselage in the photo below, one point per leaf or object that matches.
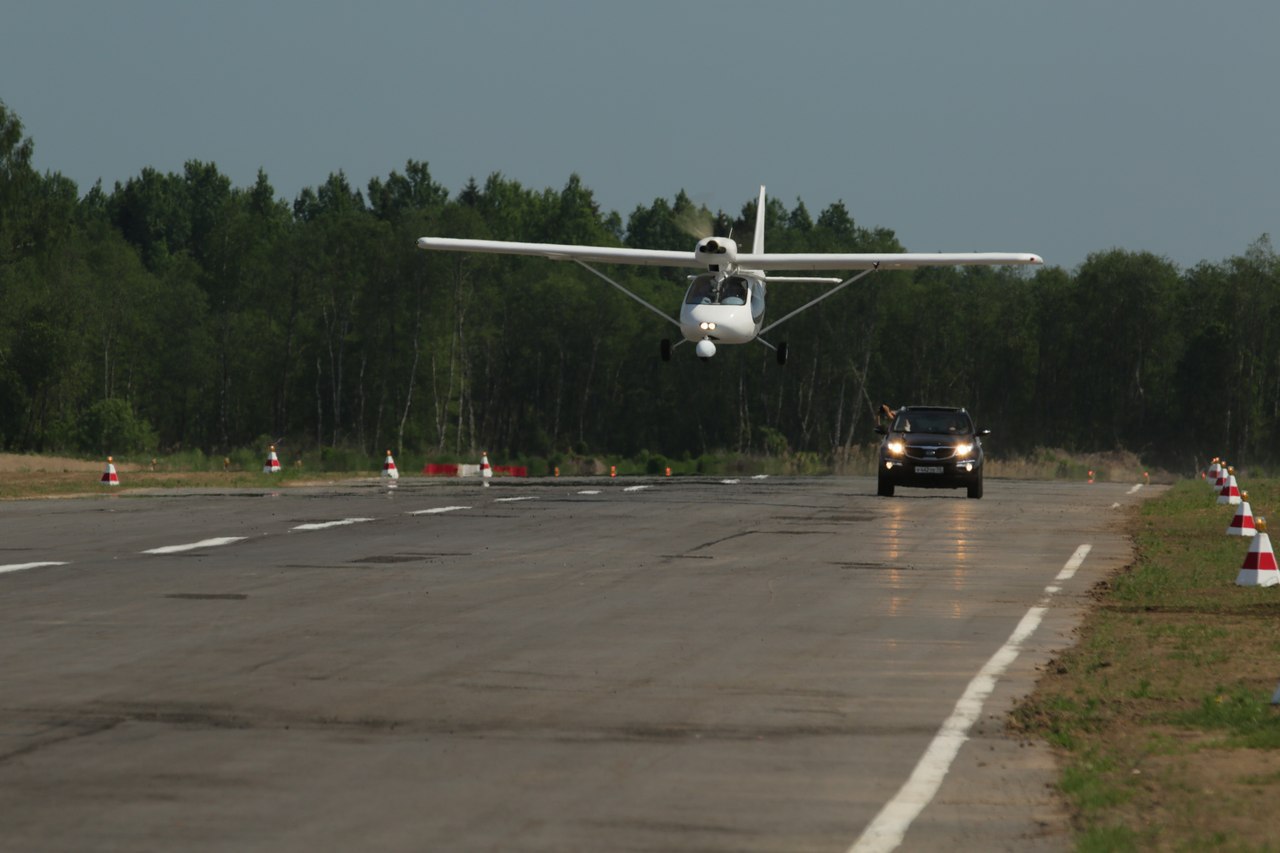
(723, 308)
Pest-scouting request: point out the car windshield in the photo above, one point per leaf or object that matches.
(941, 423)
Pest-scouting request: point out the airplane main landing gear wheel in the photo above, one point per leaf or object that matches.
(782, 353)
(666, 349)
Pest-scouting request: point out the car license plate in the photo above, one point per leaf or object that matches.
(928, 469)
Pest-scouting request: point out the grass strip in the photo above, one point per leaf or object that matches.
(1162, 712)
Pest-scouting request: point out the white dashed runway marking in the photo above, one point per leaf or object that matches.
(22, 567)
(322, 525)
(192, 546)
(438, 510)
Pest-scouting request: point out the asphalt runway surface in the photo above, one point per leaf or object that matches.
(589, 664)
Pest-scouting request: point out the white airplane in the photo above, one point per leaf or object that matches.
(725, 304)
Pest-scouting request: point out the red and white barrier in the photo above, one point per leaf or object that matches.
(1259, 568)
(109, 475)
(1242, 523)
(1230, 493)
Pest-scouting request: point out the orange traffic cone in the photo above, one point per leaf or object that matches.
(389, 468)
(109, 476)
(486, 471)
(1230, 493)
(1242, 523)
(1259, 568)
(272, 465)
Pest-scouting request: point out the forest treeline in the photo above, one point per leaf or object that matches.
(177, 311)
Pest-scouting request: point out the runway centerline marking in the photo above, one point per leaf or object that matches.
(22, 567)
(1134, 489)
(438, 510)
(590, 492)
(887, 830)
(636, 488)
(322, 525)
(511, 500)
(192, 546)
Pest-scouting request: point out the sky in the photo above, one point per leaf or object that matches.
(988, 125)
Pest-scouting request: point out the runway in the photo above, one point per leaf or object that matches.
(639, 664)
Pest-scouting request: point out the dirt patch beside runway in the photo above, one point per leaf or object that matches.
(24, 463)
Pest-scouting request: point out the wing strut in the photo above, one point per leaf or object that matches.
(663, 314)
(832, 292)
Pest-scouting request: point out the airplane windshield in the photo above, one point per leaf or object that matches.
(705, 290)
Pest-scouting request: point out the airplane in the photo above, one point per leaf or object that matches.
(725, 304)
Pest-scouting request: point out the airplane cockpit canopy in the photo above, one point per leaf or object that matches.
(706, 290)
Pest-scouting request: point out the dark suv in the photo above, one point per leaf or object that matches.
(931, 447)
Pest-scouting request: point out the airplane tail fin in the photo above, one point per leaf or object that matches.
(757, 245)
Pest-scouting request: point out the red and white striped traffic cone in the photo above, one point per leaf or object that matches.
(1242, 522)
(109, 475)
(1259, 567)
(389, 468)
(486, 472)
(1230, 493)
(272, 465)
(1220, 480)
(1211, 476)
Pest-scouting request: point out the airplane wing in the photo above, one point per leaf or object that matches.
(901, 260)
(564, 252)
(753, 261)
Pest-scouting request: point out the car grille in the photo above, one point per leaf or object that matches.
(930, 452)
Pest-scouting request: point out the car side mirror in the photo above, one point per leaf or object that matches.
(984, 432)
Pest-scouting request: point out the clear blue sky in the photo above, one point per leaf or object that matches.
(1026, 125)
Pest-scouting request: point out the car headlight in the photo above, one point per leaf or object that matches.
(964, 449)
(895, 448)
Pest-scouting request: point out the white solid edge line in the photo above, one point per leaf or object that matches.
(889, 827)
(191, 546)
(438, 510)
(22, 567)
(322, 525)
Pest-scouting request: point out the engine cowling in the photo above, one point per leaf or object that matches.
(717, 252)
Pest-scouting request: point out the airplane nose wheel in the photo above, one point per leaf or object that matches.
(782, 353)
(666, 349)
